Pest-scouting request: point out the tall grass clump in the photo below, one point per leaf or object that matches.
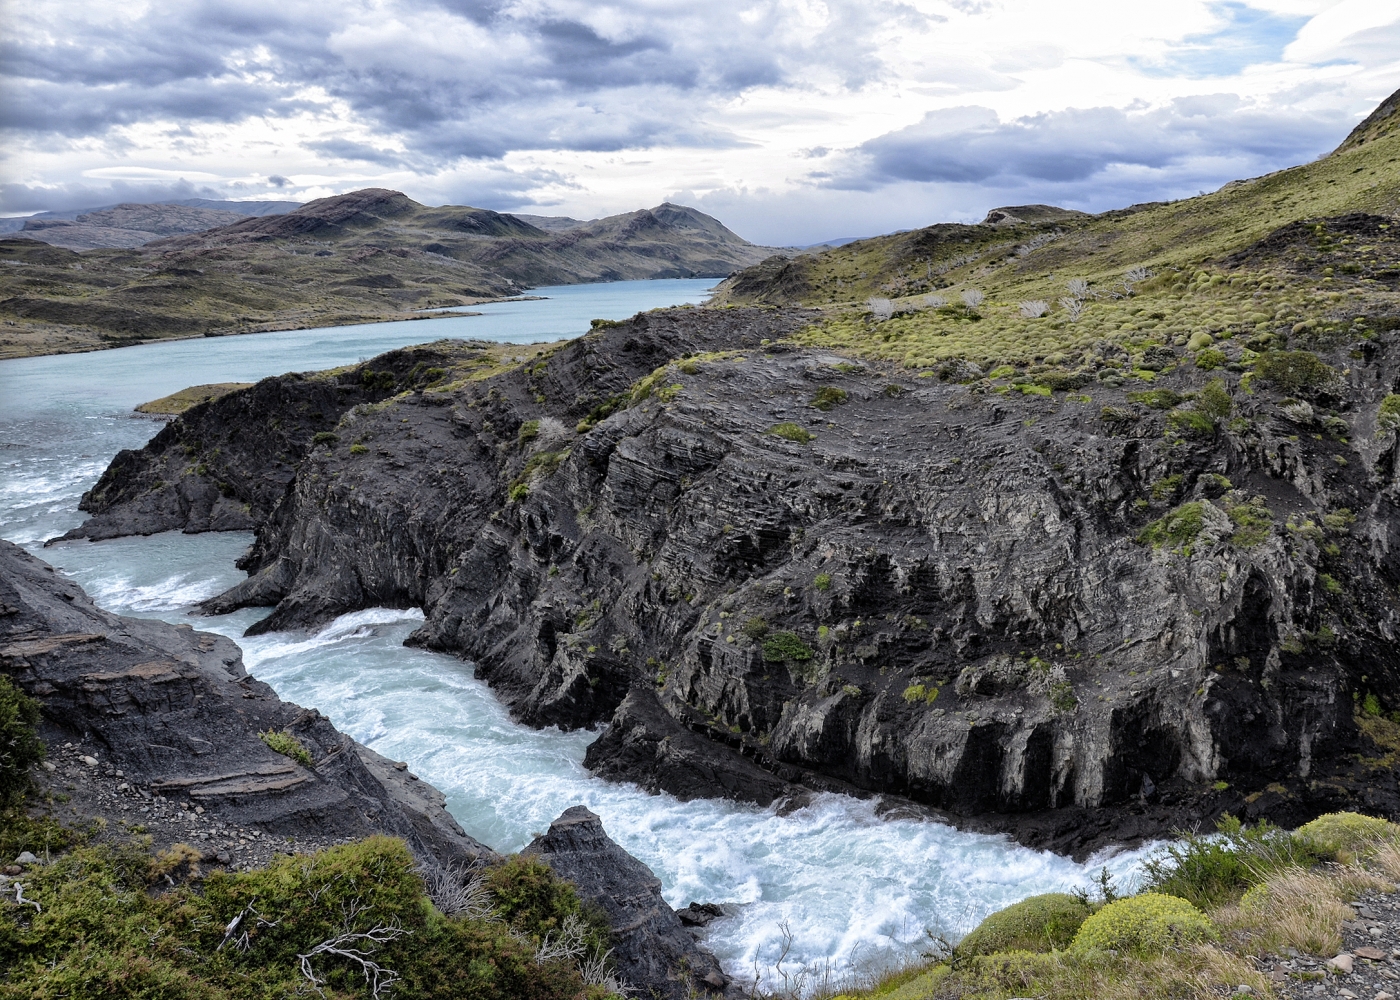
(1208, 870)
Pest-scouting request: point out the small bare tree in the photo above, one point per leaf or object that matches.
(880, 309)
(459, 889)
(973, 297)
(1074, 308)
(935, 301)
(357, 947)
(1078, 288)
(1034, 308)
(567, 944)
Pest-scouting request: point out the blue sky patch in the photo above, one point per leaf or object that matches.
(1247, 37)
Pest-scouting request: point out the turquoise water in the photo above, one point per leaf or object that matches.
(854, 889)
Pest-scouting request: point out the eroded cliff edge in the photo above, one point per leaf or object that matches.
(1079, 613)
(175, 717)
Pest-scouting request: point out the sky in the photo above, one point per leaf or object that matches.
(792, 121)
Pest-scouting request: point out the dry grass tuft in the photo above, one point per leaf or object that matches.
(1292, 909)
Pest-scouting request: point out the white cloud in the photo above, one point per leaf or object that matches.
(789, 113)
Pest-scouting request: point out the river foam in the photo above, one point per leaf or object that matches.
(852, 888)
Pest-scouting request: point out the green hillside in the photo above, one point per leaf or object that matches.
(1309, 251)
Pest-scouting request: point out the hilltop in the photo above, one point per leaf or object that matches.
(361, 257)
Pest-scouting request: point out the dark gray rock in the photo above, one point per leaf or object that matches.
(176, 712)
(653, 949)
(941, 598)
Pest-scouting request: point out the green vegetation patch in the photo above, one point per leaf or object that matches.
(1388, 416)
(780, 646)
(1252, 519)
(1341, 834)
(20, 746)
(829, 396)
(343, 923)
(1145, 925)
(789, 431)
(288, 746)
(1040, 923)
(921, 692)
(1177, 529)
(1157, 399)
(1297, 373)
(1210, 870)
(178, 402)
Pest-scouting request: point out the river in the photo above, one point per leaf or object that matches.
(854, 890)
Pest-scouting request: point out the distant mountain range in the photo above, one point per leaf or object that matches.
(199, 268)
(131, 224)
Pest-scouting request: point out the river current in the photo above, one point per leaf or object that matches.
(855, 891)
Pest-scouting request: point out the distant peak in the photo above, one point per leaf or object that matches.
(1012, 215)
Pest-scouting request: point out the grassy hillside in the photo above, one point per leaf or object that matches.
(1309, 251)
(362, 257)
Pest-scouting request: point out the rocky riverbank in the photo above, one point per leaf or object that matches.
(158, 730)
(1082, 614)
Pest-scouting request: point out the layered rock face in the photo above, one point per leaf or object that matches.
(1076, 616)
(176, 711)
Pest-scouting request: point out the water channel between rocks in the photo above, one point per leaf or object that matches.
(853, 889)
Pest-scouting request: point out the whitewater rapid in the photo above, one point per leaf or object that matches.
(853, 890)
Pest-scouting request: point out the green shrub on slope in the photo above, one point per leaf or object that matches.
(1040, 923)
(1144, 925)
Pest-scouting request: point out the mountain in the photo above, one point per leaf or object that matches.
(369, 255)
(130, 225)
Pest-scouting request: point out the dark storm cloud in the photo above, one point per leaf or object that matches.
(970, 145)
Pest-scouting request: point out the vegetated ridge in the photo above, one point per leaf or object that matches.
(1085, 576)
(361, 257)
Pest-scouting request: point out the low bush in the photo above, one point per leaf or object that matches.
(792, 432)
(1177, 529)
(822, 581)
(1191, 423)
(1210, 359)
(1040, 923)
(1144, 925)
(20, 746)
(1210, 870)
(779, 646)
(1343, 835)
(1388, 416)
(288, 746)
(1157, 399)
(828, 396)
(350, 921)
(1294, 372)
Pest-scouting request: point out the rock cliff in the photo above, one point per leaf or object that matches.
(142, 715)
(777, 569)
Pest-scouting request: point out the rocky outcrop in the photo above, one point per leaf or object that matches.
(652, 947)
(780, 569)
(175, 711)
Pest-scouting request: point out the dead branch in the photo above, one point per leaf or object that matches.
(343, 946)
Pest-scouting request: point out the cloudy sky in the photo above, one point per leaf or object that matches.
(792, 121)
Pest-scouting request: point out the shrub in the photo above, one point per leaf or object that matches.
(1144, 925)
(1178, 528)
(781, 646)
(1210, 359)
(755, 628)
(358, 449)
(822, 581)
(973, 297)
(880, 309)
(536, 902)
(1389, 414)
(1214, 400)
(20, 746)
(926, 693)
(1293, 372)
(792, 432)
(517, 492)
(1209, 870)
(1040, 923)
(828, 396)
(324, 437)
(529, 430)
(1342, 834)
(1199, 342)
(287, 745)
(1191, 423)
(1034, 308)
(1157, 399)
